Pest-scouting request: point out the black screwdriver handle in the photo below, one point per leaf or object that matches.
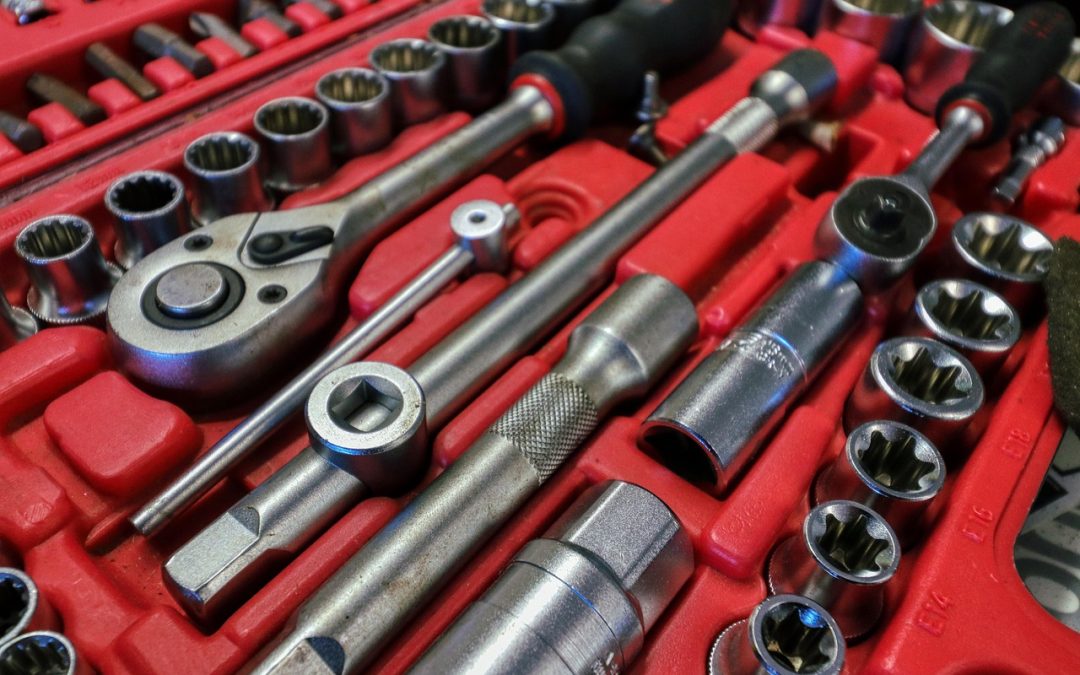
(1019, 58)
(603, 63)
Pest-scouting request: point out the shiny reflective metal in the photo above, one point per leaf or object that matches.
(22, 608)
(753, 15)
(417, 72)
(1033, 148)
(842, 558)
(477, 60)
(158, 41)
(360, 109)
(578, 600)
(1005, 253)
(948, 39)
(753, 376)
(525, 24)
(70, 280)
(296, 131)
(889, 467)
(40, 652)
(921, 382)
(882, 24)
(227, 169)
(149, 209)
(26, 11)
(615, 354)
(207, 25)
(784, 635)
(16, 324)
(1065, 90)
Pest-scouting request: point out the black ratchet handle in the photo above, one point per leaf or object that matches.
(603, 63)
(1019, 58)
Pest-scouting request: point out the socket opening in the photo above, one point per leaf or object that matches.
(529, 12)
(1004, 246)
(290, 117)
(351, 85)
(221, 153)
(968, 315)
(16, 599)
(143, 193)
(463, 32)
(406, 56)
(896, 460)
(682, 452)
(925, 375)
(791, 634)
(969, 23)
(852, 542)
(366, 404)
(53, 238)
(41, 653)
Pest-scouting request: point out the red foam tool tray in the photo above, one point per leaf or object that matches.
(81, 447)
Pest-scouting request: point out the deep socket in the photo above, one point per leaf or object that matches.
(227, 169)
(889, 467)
(158, 41)
(361, 109)
(841, 559)
(882, 24)
(1008, 254)
(297, 135)
(149, 209)
(525, 24)
(70, 279)
(51, 90)
(416, 70)
(477, 64)
(110, 64)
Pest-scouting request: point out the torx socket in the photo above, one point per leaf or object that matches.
(889, 467)
(361, 109)
(207, 25)
(227, 169)
(108, 64)
(1064, 96)
(921, 382)
(23, 135)
(22, 608)
(158, 41)
(416, 70)
(41, 652)
(841, 559)
(752, 376)
(477, 63)
(51, 90)
(297, 135)
(70, 279)
(882, 24)
(149, 209)
(525, 24)
(969, 317)
(784, 635)
(753, 15)
(1005, 253)
(16, 324)
(578, 600)
(948, 39)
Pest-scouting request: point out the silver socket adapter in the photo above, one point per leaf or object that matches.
(416, 70)
(882, 24)
(296, 131)
(948, 39)
(1065, 90)
(149, 209)
(841, 559)
(921, 382)
(889, 467)
(1005, 253)
(581, 598)
(22, 608)
(784, 635)
(477, 59)
(42, 652)
(360, 107)
(70, 280)
(525, 24)
(228, 172)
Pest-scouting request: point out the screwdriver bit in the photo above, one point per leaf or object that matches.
(250, 10)
(51, 90)
(207, 25)
(110, 64)
(158, 41)
(1034, 147)
(23, 134)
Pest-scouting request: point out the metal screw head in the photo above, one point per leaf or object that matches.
(191, 291)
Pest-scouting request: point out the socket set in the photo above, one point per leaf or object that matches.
(515, 336)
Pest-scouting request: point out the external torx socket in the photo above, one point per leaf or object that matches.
(1065, 90)
(882, 24)
(70, 279)
(889, 467)
(921, 382)
(41, 652)
(579, 599)
(24, 135)
(969, 317)
(297, 135)
(951, 35)
(22, 609)
(784, 635)
(416, 70)
(51, 90)
(361, 109)
(525, 24)
(108, 64)
(149, 209)
(1005, 253)
(158, 41)
(841, 559)
(753, 15)
(16, 324)
(477, 61)
(752, 376)
(228, 170)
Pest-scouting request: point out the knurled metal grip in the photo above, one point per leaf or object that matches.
(549, 422)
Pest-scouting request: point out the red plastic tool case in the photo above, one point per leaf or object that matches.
(80, 447)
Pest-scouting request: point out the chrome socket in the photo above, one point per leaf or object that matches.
(951, 35)
(297, 133)
(753, 15)
(70, 279)
(40, 652)
(1006, 254)
(889, 467)
(149, 209)
(22, 608)
(921, 382)
(525, 24)
(360, 109)
(844, 555)
(968, 317)
(476, 57)
(227, 168)
(882, 24)
(416, 70)
(1064, 96)
(16, 324)
(784, 635)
